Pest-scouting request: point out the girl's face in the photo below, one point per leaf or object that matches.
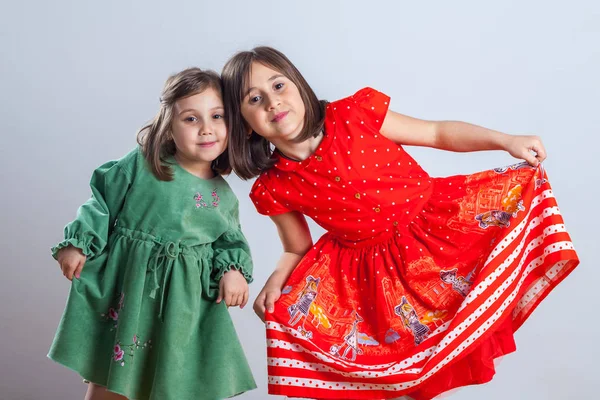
(272, 105)
(198, 127)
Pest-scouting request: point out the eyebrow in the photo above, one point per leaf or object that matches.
(268, 80)
(194, 110)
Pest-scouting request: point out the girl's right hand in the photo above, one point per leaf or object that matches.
(270, 293)
(71, 260)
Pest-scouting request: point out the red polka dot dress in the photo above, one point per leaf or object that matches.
(419, 282)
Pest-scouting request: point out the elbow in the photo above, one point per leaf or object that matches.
(438, 135)
(301, 249)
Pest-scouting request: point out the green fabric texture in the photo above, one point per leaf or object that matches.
(142, 318)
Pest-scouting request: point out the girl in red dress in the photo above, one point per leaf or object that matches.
(419, 282)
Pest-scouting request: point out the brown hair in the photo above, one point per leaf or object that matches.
(155, 137)
(251, 155)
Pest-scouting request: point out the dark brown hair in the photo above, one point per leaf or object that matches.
(250, 155)
(155, 137)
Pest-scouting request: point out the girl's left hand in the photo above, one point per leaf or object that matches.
(521, 147)
(233, 288)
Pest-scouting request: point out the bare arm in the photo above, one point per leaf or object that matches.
(296, 241)
(460, 137)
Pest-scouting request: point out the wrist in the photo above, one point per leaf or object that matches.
(503, 141)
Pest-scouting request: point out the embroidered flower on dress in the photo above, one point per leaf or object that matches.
(200, 203)
(118, 356)
(113, 313)
(120, 350)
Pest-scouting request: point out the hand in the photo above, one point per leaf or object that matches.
(270, 293)
(71, 260)
(233, 288)
(521, 147)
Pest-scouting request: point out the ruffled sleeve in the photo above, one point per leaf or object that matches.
(232, 251)
(373, 106)
(96, 217)
(264, 201)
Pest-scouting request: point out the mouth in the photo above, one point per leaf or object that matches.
(207, 144)
(280, 116)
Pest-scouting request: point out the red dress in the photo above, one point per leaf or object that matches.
(419, 282)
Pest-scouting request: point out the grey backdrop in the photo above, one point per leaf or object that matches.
(77, 79)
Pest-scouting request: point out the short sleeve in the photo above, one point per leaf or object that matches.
(373, 105)
(264, 201)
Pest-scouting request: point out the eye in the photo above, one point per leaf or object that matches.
(255, 99)
(191, 119)
(279, 86)
(218, 116)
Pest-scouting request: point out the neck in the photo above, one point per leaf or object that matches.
(201, 169)
(298, 151)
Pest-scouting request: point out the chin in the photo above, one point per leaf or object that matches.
(290, 133)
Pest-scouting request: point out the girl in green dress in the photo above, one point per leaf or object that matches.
(156, 256)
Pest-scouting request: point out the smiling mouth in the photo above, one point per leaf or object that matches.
(208, 144)
(280, 116)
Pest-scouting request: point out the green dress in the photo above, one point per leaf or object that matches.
(142, 318)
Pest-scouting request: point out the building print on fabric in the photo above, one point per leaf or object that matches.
(538, 182)
(512, 204)
(487, 199)
(317, 300)
(123, 352)
(514, 167)
(436, 293)
(338, 322)
(201, 203)
(411, 321)
(352, 341)
(303, 306)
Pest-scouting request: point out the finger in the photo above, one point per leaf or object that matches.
(70, 268)
(238, 299)
(220, 297)
(65, 271)
(260, 312)
(530, 158)
(259, 303)
(228, 299)
(270, 301)
(78, 269)
(259, 306)
(244, 299)
(232, 300)
(540, 152)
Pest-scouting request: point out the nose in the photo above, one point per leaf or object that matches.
(272, 101)
(206, 128)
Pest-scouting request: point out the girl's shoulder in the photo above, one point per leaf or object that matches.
(264, 193)
(367, 108)
(130, 161)
(366, 97)
(126, 165)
